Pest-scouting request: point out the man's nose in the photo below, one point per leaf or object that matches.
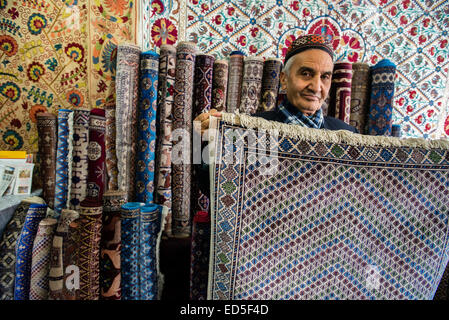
(315, 84)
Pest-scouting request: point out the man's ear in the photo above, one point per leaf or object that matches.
(283, 79)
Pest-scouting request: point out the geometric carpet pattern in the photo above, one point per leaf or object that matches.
(333, 221)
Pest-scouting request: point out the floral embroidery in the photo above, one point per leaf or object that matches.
(8, 45)
(10, 90)
(164, 32)
(75, 98)
(13, 139)
(35, 71)
(75, 52)
(36, 23)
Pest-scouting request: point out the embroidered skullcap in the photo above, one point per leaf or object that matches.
(309, 41)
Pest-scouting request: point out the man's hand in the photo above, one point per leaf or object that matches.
(205, 119)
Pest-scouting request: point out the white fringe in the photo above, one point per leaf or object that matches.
(324, 135)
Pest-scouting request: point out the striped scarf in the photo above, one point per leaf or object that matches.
(292, 115)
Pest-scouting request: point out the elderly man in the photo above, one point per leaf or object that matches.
(307, 78)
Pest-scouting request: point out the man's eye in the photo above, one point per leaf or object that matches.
(306, 73)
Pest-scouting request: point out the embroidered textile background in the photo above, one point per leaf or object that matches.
(62, 54)
(411, 33)
(57, 54)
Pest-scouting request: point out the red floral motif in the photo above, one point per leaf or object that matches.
(440, 59)
(163, 31)
(443, 43)
(230, 10)
(374, 59)
(229, 28)
(430, 113)
(295, 5)
(16, 123)
(419, 119)
(403, 20)
(412, 94)
(393, 11)
(14, 13)
(254, 31)
(157, 7)
(204, 8)
(252, 49)
(446, 126)
(217, 20)
(288, 41)
(353, 57)
(426, 22)
(413, 31)
(242, 41)
(427, 127)
(409, 109)
(406, 4)
(422, 39)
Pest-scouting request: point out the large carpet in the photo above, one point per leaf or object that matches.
(304, 214)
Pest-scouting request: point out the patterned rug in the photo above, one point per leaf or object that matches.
(78, 178)
(127, 85)
(47, 126)
(299, 213)
(220, 84)
(129, 226)
(110, 245)
(181, 139)
(235, 77)
(340, 92)
(202, 100)
(151, 280)
(270, 84)
(8, 247)
(109, 144)
(40, 260)
(251, 84)
(146, 132)
(166, 81)
(90, 225)
(380, 116)
(199, 255)
(141, 230)
(96, 154)
(24, 250)
(360, 95)
(57, 270)
(71, 259)
(65, 123)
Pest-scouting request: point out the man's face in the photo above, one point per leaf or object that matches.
(309, 80)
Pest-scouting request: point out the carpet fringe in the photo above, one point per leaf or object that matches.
(329, 136)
